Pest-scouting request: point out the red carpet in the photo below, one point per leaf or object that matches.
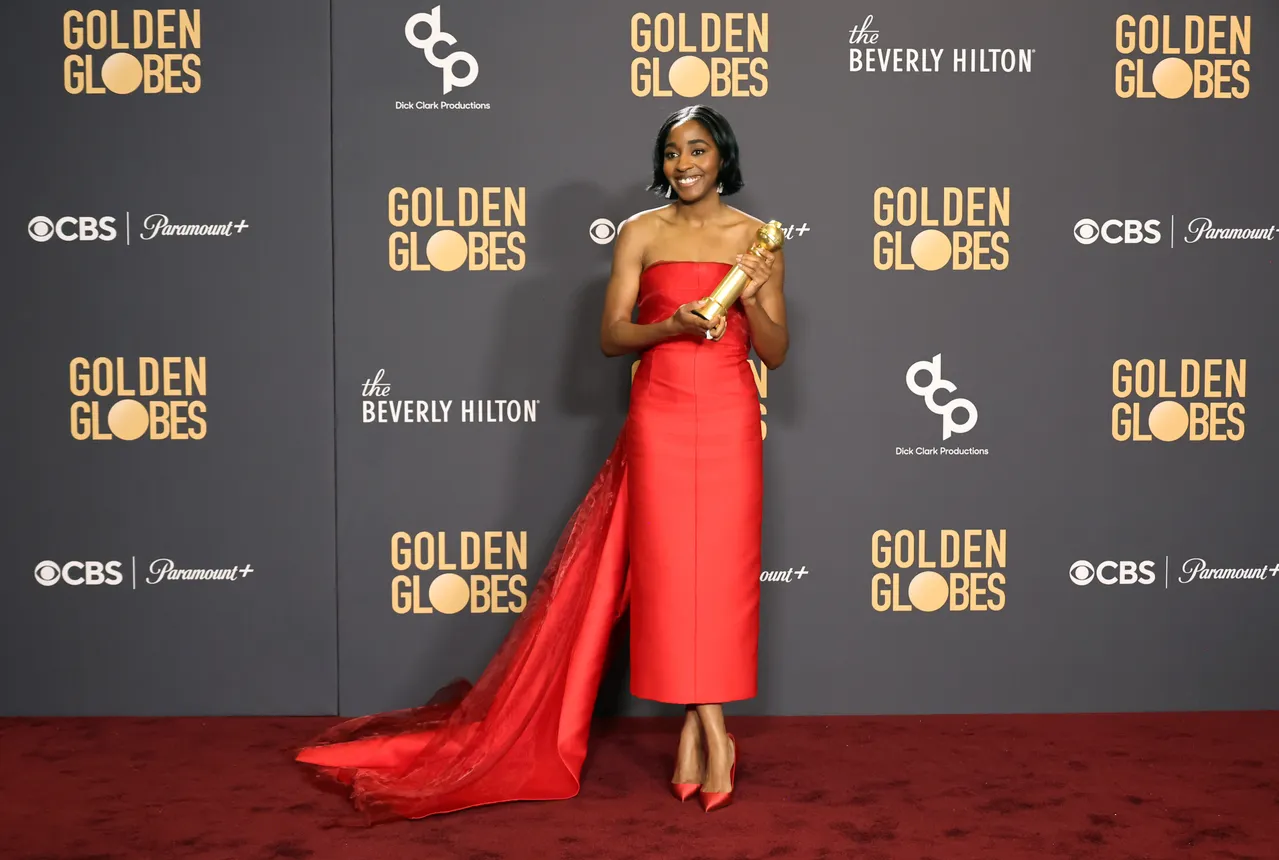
(933, 788)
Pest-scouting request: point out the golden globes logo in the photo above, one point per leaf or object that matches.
(1170, 56)
(669, 46)
(1195, 399)
(122, 51)
(449, 591)
(759, 370)
(487, 241)
(155, 398)
(963, 571)
(942, 228)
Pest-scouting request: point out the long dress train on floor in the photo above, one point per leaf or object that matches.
(520, 733)
(688, 454)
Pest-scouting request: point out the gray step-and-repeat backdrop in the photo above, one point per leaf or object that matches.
(303, 315)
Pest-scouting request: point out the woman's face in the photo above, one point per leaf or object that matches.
(691, 161)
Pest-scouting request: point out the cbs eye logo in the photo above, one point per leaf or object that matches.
(79, 573)
(1131, 231)
(72, 229)
(1113, 572)
(602, 231)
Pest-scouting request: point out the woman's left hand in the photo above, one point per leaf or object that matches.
(717, 331)
(758, 268)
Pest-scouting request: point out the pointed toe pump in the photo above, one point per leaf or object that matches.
(712, 800)
(685, 790)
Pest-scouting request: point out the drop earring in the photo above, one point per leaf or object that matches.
(720, 188)
(670, 192)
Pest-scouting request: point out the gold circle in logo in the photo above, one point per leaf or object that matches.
(930, 250)
(928, 591)
(1169, 421)
(449, 593)
(1172, 77)
(121, 73)
(128, 419)
(690, 76)
(446, 250)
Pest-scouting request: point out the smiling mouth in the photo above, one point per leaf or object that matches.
(686, 181)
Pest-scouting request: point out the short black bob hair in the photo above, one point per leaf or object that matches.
(730, 172)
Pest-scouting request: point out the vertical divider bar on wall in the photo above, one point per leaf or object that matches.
(333, 295)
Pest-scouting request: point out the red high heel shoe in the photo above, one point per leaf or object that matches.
(712, 800)
(685, 790)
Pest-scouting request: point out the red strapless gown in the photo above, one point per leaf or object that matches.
(670, 524)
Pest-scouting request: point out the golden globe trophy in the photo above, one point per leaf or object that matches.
(769, 238)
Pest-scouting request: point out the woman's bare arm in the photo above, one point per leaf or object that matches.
(618, 335)
(766, 312)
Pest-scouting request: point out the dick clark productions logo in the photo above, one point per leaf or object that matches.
(448, 63)
(949, 426)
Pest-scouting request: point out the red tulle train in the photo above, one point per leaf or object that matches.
(520, 733)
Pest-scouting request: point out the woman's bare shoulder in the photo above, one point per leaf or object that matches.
(642, 230)
(743, 224)
(648, 219)
(745, 220)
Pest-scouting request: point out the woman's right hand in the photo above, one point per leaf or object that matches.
(684, 321)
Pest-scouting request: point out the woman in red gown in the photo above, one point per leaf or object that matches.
(670, 526)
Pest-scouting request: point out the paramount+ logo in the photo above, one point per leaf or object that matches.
(126, 51)
(1172, 56)
(963, 229)
(445, 581)
(689, 54)
(481, 229)
(1196, 399)
(962, 571)
(152, 398)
